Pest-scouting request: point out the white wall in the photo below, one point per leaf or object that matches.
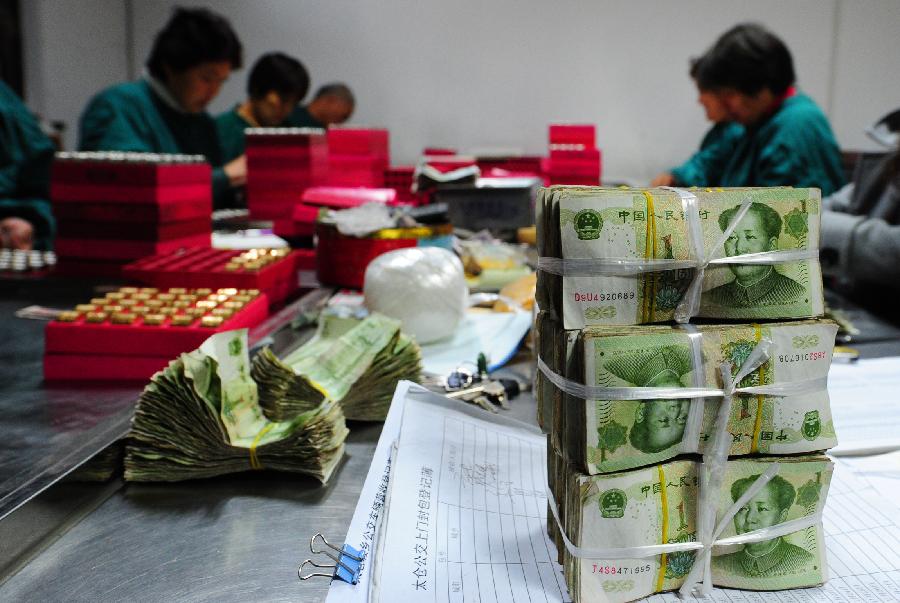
(474, 74)
(71, 49)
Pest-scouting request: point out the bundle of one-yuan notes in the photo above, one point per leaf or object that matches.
(685, 454)
(354, 361)
(201, 417)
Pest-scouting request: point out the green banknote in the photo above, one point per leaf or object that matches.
(200, 417)
(659, 505)
(601, 436)
(355, 362)
(641, 224)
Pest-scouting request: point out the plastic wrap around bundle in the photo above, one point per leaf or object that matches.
(423, 287)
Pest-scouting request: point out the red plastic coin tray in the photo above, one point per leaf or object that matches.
(130, 174)
(125, 249)
(134, 212)
(585, 134)
(206, 267)
(137, 339)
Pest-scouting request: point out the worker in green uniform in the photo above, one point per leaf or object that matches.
(164, 111)
(25, 157)
(276, 84)
(705, 167)
(787, 139)
(332, 104)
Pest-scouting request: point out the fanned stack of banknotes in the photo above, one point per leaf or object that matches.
(213, 411)
(626, 473)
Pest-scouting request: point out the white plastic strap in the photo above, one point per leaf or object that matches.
(690, 441)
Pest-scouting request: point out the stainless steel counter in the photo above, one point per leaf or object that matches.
(234, 538)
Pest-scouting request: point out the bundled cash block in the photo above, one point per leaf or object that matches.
(682, 456)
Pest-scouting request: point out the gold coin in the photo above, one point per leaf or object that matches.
(140, 310)
(227, 291)
(178, 290)
(241, 298)
(85, 308)
(233, 304)
(141, 296)
(252, 292)
(205, 303)
(112, 308)
(182, 320)
(95, 316)
(211, 321)
(128, 290)
(150, 290)
(98, 301)
(115, 295)
(154, 303)
(168, 311)
(187, 296)
(202, 292)
(181, 303)
(127, 303)
(154, 319)
(231, 267)
(123, 318)
(223, 312)
(67, 316)
(166, 297)
(195, 312)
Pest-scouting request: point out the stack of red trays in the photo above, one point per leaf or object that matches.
(400, 178)
(272, 271)
(303, 223)
(357, 156)
(574, 156)
(131, 333)
(112, 208)
(281, 164)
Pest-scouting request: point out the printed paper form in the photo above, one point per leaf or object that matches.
(864, 400)
(468, 511)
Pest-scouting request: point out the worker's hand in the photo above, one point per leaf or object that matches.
(664, 179)
(16, 233)
(236, 170)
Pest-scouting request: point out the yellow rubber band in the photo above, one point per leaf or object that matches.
(757, 427)
(254, 460)
(664, 502)
(649, 280)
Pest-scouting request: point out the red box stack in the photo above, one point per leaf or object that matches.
(574, 156)
(272, 271)
(357, 156)
(131, 333)
(112, 208)
(281, 164)
(400, 178)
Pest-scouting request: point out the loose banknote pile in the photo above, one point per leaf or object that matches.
(683, 455)
(356, 362)
(201, 417)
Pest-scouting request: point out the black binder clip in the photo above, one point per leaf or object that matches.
(346, 563)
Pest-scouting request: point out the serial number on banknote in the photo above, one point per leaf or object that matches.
(602, 297)
(806, 357)
(612, 569)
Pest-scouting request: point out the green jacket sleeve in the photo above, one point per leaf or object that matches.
(105, 126)
(705, 167)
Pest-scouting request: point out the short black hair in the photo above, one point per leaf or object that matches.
(784, 491)
(191, 37)
(770, 218)
(336, 89)
(748, 58)
(278, 72)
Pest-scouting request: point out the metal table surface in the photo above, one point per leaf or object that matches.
(233, 538)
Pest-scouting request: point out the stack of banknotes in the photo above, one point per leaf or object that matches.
(626, 473)
(200, 417)
(356, 362)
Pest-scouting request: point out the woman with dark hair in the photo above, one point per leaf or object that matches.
(704, 168)
(164, 111)
(276, 84)
(787, 139)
